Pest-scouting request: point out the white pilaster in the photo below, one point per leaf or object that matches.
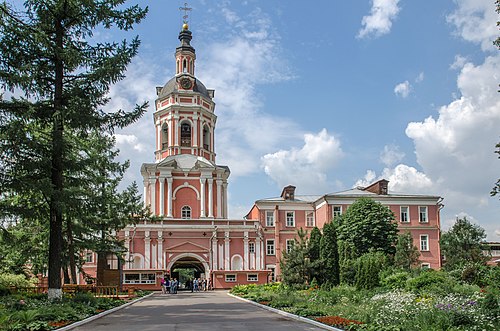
(195, 131)
(246, 257)
(154, 257)
(159, 262)
(162, 196)
(152, 191)
(226, 251)
(127, 250)
(210, 197)
(214, 251)
(169, 200)
(224, 199)
(176, 129)
(147, 250)
(145, 193)
(258, 254)
(158, 136)
(219, 198)
(221, 255)
(202, 197)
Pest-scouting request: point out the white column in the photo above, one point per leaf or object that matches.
(154, 257)
(226, 251)
(219, 198)
(195, 130)
(202, 197)
(147, 250)
(245, 251)
(145, 193)
(162, 196)
(175, 128)
(210, 197)
(224, 199)
(258, 254)
(221, 255)
(159, 262)
(158, 135)
(214, 252)
(152, 190)
(169, 200)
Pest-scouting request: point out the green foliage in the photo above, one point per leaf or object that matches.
(368, 225)
(396, 280)
(369, 266)
(347, 262)
(329, 254)
(314, 246)
(462, 244)
(7, 280)
(431, 281)
(407, 254)
(295, 265)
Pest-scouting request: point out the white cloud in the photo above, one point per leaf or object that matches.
(379, 22)
(129, 140)
(402, 179)
(475, 21)
(306, 167)
(250, 58)
(419, 78)
(402, 89)
(391, 155)
(459, 62)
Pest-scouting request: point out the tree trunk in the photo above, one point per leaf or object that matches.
(55, 240)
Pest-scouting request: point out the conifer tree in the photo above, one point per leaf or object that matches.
(295, 264)
(407, 254)
(314, 247)
(330, 255)
(48, 55)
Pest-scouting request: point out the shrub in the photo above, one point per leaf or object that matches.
(7, 280)
(396, 280)
(431, 281)
(369, 266)
(4, 290)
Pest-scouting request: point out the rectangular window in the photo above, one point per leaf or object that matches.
(270, 247)
(424, 242)
(290, 218)
(269, 218)
(139, 278)
(405, 217)
(230, 278)
(89, 257)
(423, 214)
(271, 275)
(337, 211)
(289, 245)
(310, 218)
(252, 278)
(251, 247)
(425, 265)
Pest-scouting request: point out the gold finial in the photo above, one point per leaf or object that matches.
(185, 17)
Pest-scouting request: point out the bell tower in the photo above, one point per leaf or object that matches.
(185, 182)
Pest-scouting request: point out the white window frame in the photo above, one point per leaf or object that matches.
(424, 219)
(183, 210)
(270, 249)
(290, 243)
(290, 215)
(230, 278)
(144, 278)
(251, 247)
(252, 277)
(338, 213)
(272, 275)
(310, 221)
(425, 266)
(407, 214)
(269, 218)
(424, 244)
(89, 257)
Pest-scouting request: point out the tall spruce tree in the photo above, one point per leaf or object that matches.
(407, 254)
(313, 252)
(295, 264)
(47, 53)
(329, 254)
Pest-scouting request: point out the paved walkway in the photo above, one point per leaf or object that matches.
(185, 311)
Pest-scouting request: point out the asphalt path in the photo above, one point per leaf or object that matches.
(197, 311)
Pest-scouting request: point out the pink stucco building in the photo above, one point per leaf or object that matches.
(187, 191)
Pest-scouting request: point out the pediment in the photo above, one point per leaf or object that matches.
(187, 246)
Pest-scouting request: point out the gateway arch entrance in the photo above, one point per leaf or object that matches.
(185, 267)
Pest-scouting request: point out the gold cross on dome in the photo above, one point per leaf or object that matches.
(186, 10)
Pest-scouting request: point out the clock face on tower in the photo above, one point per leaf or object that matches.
(185, 83)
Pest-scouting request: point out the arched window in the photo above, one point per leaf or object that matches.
(178, 66)
(186, 212)
(184, 66)
(164, 136)
(206, 138)
(186, 134)
(236, 263)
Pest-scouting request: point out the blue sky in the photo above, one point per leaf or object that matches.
(327, 95)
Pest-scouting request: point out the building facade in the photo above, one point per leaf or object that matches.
(187, 192)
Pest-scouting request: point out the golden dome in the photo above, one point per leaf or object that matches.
(185, 26)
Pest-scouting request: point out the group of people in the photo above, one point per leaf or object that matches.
(169, 285)
(195, 285)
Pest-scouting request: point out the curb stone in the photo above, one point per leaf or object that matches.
(104, 313)
(289, 315)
